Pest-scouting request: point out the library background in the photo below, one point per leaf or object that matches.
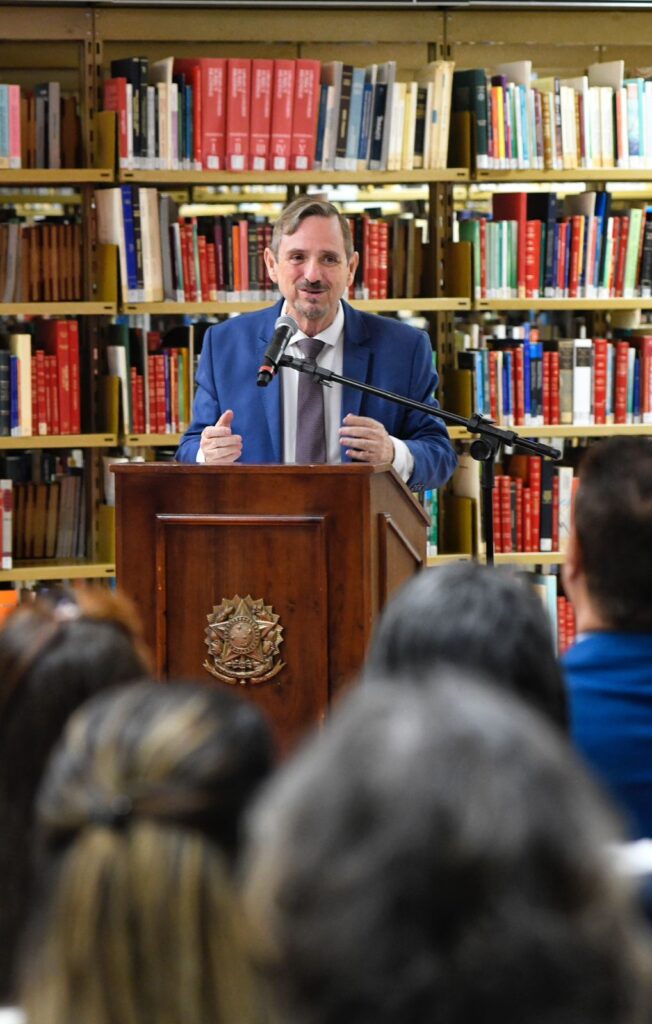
(495, 165)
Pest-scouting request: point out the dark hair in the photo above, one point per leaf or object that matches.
(309, 206)
(437, 856)
(52, 658)
(613, 526)
(474, 617)
(140, 802)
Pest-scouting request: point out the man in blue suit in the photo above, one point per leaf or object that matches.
(312, 261)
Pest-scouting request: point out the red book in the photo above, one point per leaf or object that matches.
(600, 380)
(535, 490)
(52, 393)
(505, 489)
(203, 265)
(577, 238)
(212, 271)
(644, 345)
(555, 512)
(282, 108)
(483, 257)
(622, 252)
(40, 422)
(498, 529)
(139, 409)
(372, 269)
(569, 620)
(304, 114)
(615, 249)
(383, 258)
(260, 124)
(190, 283)
(621, 375)
(518, 484)
(555, 411)
(547, 393)
(54, 336)
(243, 228)
(527, 520)
(115, 98)
(173, 372)
(133, 374)
(161, 403)
(519, 386)
(218, 237)
(238, 90)
(151, 394)
(532, 258)
(75, 377)
(561, 625)
(561, 281)
(513, 206)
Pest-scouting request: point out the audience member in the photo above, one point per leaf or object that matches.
(53, 656)
(475, 617)
(135, 915)
(436, 856)
(608, 579)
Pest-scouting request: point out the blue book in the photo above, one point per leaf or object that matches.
(130, 240)
(4, 123)
(355, 119)
(536, 382)
(525, 127)
(321, 123)
(636, 392)
(555, 261)
(508, 388)
(365, 124)
(527, 382)
(14, 414)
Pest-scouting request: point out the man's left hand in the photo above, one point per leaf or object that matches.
(366, 440)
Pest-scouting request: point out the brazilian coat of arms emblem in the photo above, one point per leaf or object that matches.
(243, 637)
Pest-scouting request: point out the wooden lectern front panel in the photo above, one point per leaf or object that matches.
(215, 559)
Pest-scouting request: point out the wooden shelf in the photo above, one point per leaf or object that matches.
(57, 569)
(602, 174)
(294, 177)
(558, 430)
(64, 176)
(369, 305)
(509, 558)
(60, 441)
(561, 304)
(446, 559)
(58, 309)
(376, 195)
(152, 440)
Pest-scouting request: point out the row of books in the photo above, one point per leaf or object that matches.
(560, 611)
(149, 381)
(194, 259)
(48, 505)
(579, 381)
(524, 122)
(41, 262)
(532, 505)
(261, 114)
(40, 390)
(39, 128)
(535, 247)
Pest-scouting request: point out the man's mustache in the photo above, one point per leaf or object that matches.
(310, 286)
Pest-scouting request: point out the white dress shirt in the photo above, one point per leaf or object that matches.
(331, 357)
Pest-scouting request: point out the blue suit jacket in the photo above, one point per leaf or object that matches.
(377, 350)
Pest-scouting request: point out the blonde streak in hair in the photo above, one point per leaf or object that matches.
(174, 738)
(229, 971)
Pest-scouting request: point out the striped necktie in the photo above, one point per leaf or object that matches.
(311, 423)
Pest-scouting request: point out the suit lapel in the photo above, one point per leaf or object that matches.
(356, 358)
(270, 397)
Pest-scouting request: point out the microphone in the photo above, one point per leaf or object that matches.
(284, 328)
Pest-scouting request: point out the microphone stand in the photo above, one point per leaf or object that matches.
(483, 449)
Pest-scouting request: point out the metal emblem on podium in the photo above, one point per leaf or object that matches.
(243, 637)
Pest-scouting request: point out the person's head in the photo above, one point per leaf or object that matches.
(312, 261)
(436, 855)
(53, 656)
(474, 617)
(608, 570)
(135, 917)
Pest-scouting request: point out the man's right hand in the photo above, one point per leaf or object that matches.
(218, 444)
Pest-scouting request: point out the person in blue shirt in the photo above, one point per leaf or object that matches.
(608, 578)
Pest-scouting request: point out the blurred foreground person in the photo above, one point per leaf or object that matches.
(135, 919)
(53, 656)
(436, 856)
(473, 617)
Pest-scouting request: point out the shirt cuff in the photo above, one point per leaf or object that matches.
(200, 457)
(403, 463)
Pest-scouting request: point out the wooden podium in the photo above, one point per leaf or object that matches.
(281, 568)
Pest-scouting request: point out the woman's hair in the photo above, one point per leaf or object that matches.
(473, 617)
(136, 919)
(437, 856)
(53, 656)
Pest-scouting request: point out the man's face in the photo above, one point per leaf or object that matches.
(312, 272)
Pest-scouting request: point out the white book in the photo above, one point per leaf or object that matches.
(582, 381)
(116, 360)
(111, 229)
(7, 506)
(565, 475)
(20, 345)
(409, 124)
(395, 149)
